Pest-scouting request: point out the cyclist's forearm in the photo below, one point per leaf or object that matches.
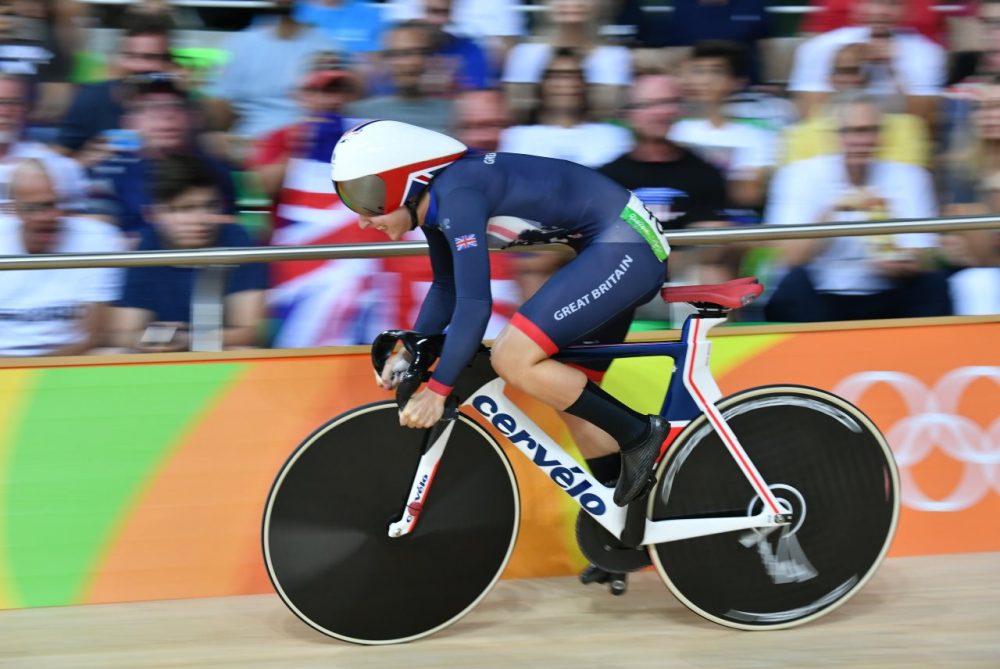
(465, 334)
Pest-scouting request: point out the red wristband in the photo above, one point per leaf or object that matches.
(436, 386)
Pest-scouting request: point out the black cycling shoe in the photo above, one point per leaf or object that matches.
(617, 581)
(637, 463)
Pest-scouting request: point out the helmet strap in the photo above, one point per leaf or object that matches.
(412, 208)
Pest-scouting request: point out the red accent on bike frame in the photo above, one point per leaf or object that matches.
(534, 333)
(757, 483)
(417, 508)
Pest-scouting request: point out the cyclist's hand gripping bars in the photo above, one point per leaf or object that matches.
(424, 351)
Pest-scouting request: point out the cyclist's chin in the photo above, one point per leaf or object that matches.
(394, 233)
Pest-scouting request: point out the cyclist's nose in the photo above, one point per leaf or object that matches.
(364, 222)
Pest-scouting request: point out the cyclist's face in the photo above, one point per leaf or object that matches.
(395, 224)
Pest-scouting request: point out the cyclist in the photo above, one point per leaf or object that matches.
(398, 177)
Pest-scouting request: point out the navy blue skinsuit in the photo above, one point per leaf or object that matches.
(504, 199)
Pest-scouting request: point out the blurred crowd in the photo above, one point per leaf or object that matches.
(714, 112)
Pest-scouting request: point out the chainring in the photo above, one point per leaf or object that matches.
(604, 550)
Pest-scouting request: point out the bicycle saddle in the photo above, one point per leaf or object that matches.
(729, 295)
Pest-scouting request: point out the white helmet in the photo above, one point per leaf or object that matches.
(379, 166)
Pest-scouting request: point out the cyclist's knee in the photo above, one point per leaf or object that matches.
(510, 357)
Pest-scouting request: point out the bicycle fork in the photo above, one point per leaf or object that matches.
(437, 439)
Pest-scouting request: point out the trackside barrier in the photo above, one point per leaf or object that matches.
(141, 477)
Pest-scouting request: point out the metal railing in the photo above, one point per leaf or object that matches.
(206, 303)
(236, 256)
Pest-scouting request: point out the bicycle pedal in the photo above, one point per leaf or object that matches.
(594, 574)
(618, 585)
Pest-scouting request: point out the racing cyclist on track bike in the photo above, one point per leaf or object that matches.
(398, 177)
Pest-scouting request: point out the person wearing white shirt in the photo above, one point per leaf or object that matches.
(744, 153)
(848, 278)
(52, 311)
(900, 61)
(571, 24)
(68, 176)
(562, 130)
(478, 19)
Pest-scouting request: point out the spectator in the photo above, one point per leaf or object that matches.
(408, 46)
(973, 262)
(68, 178)
(744, 153)
(153, 314)
(52, 312)
(255, 91)
(900, 61)
(161, 124)
(572, 24)
(323, 93)
(978, 155)
(742, 22)
(354, 26)
(905, 138)
(480, 119)
(493, 21)
(30, 46)
(855, 278)
(677, 186)
(457, 63)
(560, 126)
(919, 15)
(144, 48)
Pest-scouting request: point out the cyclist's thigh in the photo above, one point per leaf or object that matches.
(593, 296)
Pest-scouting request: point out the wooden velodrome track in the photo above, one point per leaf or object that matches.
(940, 611)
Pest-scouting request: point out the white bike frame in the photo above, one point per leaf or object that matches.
(492, 404)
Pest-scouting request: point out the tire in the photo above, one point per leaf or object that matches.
(325, 529)
(818, 453)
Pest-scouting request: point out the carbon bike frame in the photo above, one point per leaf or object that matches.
(692, 391)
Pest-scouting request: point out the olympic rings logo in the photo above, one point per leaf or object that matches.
(933, 422)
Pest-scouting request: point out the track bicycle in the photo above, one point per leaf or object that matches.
(771, 507)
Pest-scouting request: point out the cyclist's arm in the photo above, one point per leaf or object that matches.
(464, 213)
(439, 304)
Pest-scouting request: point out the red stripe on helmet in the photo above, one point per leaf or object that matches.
(396, 180)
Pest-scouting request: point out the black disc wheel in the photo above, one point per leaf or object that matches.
(825, 461)
(326, 541)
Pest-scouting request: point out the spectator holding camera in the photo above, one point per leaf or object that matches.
(52, 311)
(187, 212)
(848, 278)
(144, 48)
(159, 123)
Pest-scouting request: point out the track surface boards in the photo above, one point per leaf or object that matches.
(939, 611)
